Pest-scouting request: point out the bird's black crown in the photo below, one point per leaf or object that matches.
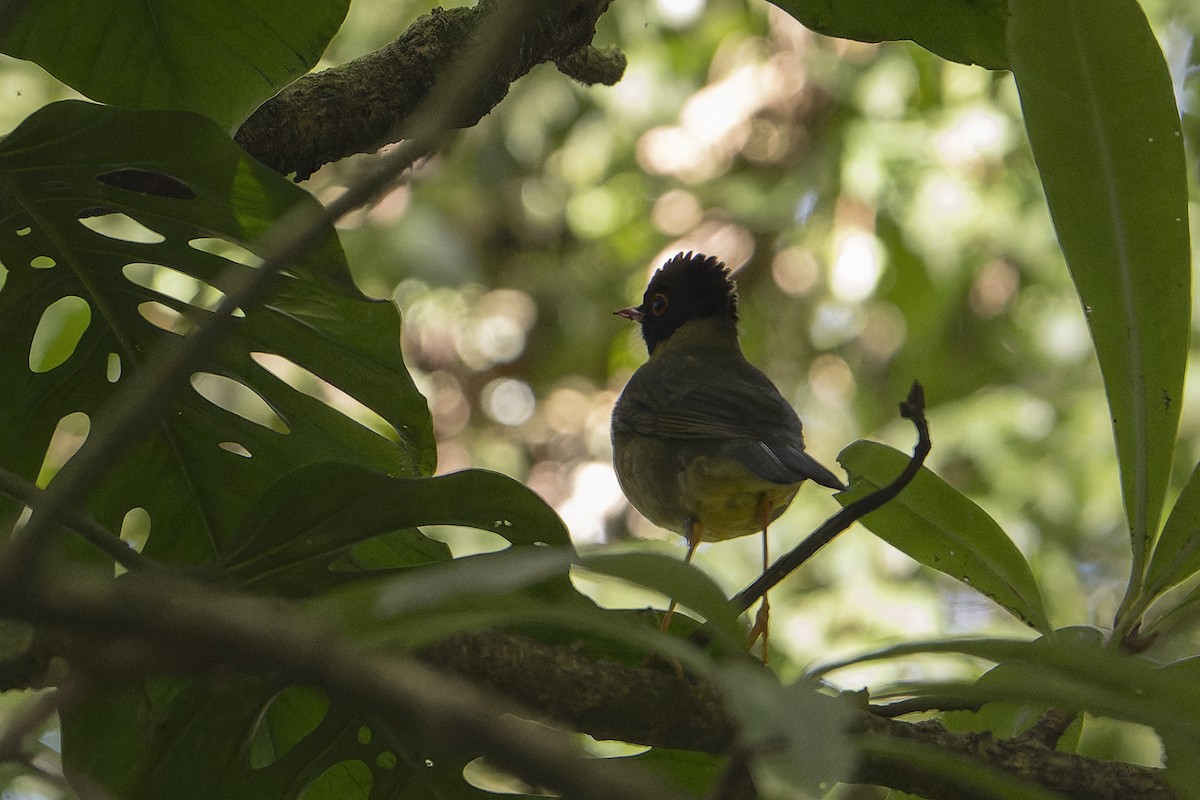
(689, 286)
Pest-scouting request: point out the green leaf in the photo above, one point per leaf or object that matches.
(146, 218)
(1072, 669)
(798, 737)
(290, 540)
(1177, 553)
(937, 525)
(1102, 121)
(220, 58)
(966, 31)
(675, 579)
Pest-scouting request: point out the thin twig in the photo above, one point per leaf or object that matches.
(91, 531)
(913, 408)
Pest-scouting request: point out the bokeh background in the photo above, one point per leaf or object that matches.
(886, 222)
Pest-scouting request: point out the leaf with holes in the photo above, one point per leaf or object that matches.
(220, 58)
(245, 738)
(143, 220)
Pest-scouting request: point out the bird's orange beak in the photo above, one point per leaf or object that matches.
(633, 312)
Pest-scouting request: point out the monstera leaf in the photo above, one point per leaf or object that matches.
(120, 230)
(220, 58)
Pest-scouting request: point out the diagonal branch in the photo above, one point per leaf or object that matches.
(362, 105)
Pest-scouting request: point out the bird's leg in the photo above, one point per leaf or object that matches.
(762, 621)
(691, 531)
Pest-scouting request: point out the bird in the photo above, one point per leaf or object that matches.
(703, 442)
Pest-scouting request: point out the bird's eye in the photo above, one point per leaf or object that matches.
(658, 305)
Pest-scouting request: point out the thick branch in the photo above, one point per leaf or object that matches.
(178, 625)
(362, 105)
(646, 706)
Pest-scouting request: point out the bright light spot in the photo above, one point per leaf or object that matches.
(856, 267)
(679, 13)
(830, 380)
(795, 271)
(833, 324)
(1035, 418)
(58, 332)
(1065, 336)
(994, 289)
(976, 136)
(884, 331)
(676, 212)
(595, 495)
(508, 401)
(500, 339)
(593, 213)
(122, 227)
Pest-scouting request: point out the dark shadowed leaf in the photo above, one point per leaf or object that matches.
(967, 31)
(220, 58)
(149, 269)
(290, 540)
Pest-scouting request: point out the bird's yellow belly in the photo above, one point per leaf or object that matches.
(728, 500)
(721, 495)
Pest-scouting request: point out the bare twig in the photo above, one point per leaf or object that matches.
(913, 409)
(93, 532)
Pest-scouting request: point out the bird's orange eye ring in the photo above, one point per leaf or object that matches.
(658, 304)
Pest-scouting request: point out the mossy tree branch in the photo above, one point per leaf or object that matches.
(366, 103)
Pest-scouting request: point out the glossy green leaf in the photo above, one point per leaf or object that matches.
(967, 31)
(1100, 111)
(182, 208)
(1177, 552)
(937, 525)
(290, 540)
(220, 58)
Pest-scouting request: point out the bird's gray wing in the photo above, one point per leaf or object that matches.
(738, 408)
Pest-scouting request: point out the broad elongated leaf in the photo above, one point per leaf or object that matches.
(220, 58)
(967, 31)
(183, 192)
(1177, 553)
(1102, 121)
(937, 525)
